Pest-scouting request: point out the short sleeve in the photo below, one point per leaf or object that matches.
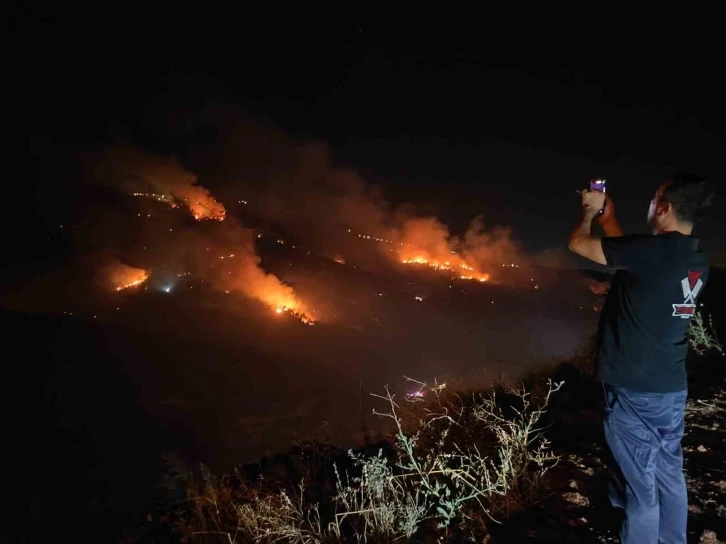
(627, 252)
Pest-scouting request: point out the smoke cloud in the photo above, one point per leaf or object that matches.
(291, 185)
(296, 184)
(225, 256)
(139, 172)
(222, 254)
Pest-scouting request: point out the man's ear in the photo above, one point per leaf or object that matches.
(664, 208)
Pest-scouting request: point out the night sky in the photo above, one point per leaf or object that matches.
(504, 127)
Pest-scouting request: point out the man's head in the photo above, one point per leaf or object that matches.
(680, 203)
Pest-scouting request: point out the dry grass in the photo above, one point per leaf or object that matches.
(457, 461)
(702, 335)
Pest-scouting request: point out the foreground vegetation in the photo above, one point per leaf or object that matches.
(457, 465)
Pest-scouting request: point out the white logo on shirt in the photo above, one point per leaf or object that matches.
(691, 286)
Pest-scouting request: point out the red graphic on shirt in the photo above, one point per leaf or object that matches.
(684, 310)
(693, 278)
(691, 286)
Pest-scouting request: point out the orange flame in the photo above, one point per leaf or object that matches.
(297, 315)
(425, 241)
(127, 277)
(201, 210)
(244, 274)
(457, 266)
(208, 209)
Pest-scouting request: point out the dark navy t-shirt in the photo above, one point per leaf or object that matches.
(642, 342)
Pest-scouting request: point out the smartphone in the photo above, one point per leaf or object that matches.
(598, 185)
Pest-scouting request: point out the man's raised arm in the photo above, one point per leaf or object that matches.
(581, 240)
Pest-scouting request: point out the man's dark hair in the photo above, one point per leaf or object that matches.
(690, 196)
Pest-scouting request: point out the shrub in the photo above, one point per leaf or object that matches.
(702, 336)
(456, 461)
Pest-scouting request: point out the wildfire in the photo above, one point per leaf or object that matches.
(209, 209)
(458, 266)
(127, 277)
(133, 283)
(465, 271)
(232, 262)
(201, 210)
(297, 315)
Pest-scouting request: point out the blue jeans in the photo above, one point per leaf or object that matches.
(644, 431)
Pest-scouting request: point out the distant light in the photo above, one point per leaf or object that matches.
(419, 299)
(166, 289)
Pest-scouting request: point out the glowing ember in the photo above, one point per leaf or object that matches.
(161, 197)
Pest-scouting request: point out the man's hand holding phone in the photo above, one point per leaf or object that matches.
(598, 188)
(593, 203)
(596, 203)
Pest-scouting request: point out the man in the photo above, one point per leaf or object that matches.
(642, 349)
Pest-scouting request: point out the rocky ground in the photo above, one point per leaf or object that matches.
(575, 508)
